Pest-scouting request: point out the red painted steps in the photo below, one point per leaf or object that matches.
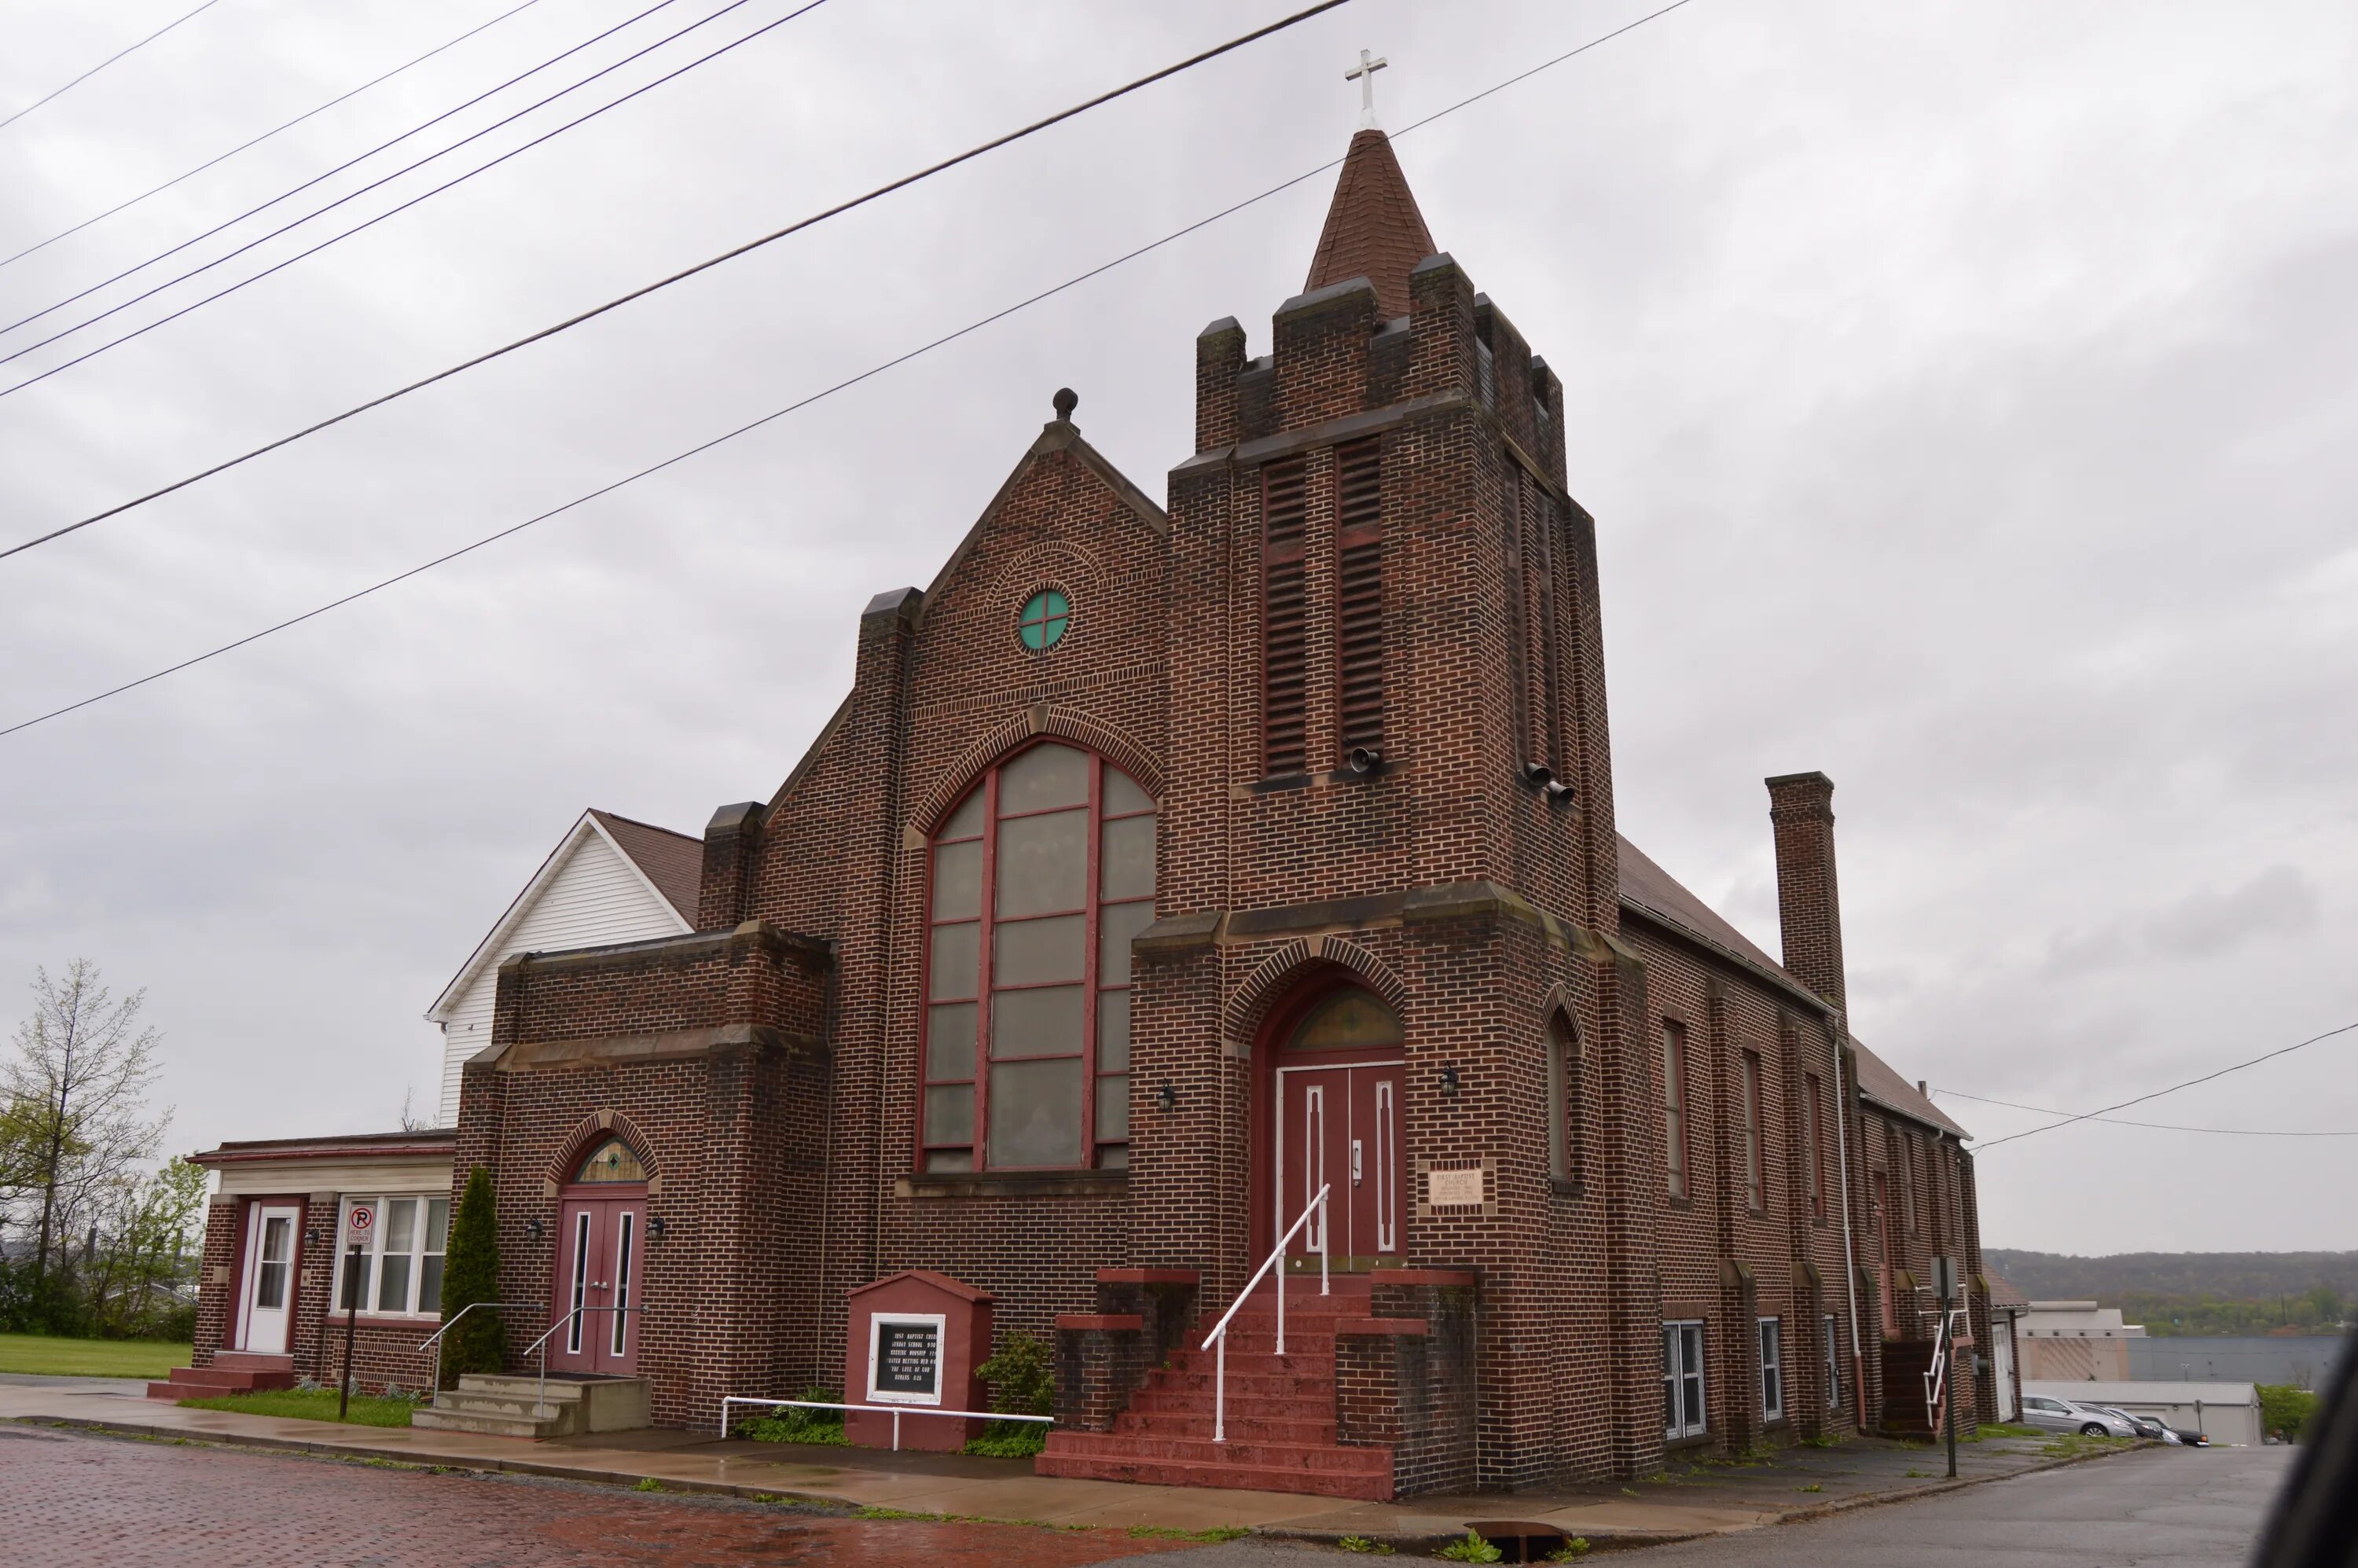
(1280, 1414)
(230, 1372)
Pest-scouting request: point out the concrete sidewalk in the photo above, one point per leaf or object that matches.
(1688, 1500)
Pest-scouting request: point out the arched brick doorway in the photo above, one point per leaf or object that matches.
(1330, 1071)
(595, 1280)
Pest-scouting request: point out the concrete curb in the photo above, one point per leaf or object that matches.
(411, 1461)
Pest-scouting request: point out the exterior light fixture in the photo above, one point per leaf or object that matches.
(655, 1228)
(534, 1229)
(1449, 1079)
(1167, 1097)
(312, 1235)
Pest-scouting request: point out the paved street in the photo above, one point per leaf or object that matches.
(2160, 1508)
(76, 1499)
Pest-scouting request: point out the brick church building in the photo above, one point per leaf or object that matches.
(1171, 861)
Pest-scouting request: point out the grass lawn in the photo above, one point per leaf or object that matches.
(90, 1357)
(309, 1404)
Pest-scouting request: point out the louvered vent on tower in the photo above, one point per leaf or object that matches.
(1359, 593)
(1284, 622)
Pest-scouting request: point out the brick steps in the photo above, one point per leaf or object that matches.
(230, 1373)
(1280, 1414)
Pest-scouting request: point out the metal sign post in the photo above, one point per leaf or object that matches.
(361, 1219)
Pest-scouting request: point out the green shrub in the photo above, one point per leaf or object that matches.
(1361, 1543)
(1022, 1381)
(1571, 1551)
(2287, 1409)
(470, 1274)
(787, 1425)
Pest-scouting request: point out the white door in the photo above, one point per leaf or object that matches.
(2002, 1363)
(269, 1297)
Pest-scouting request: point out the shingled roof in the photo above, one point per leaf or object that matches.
(673, 861)
(1373, 227)
(1654, 893)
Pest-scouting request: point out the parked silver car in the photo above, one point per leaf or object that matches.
(2146, 1427)
(2062, 1415)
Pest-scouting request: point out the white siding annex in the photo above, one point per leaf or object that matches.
(587, 893)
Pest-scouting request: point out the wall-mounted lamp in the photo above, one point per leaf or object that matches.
(1449, 1079)
(655, 1228)
(312, 1235)
(534, 1229)
(1167, 1097)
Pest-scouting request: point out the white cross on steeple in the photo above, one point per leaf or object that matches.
(1365, 75)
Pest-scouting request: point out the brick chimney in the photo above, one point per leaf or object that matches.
(1809, 910)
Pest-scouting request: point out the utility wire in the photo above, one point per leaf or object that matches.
(258, 141)
(685, 273)
(842, 385)
(109, 59)
(2156, 1126)
(142, 330)
(2089, 1115)
(330, 174)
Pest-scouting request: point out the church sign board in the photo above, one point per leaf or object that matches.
(905, 1358)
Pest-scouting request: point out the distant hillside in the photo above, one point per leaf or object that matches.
(2196, 1292)
(2232, 1276)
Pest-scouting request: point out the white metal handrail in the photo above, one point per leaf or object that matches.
(1936, 1377)
(895, 1412)
(1220, 1335)
(435, 1338)
(540, 1401)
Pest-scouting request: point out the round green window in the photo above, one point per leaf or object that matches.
(1045, 616)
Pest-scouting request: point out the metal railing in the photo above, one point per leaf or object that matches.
(435, 1338)
(1936, 1377)
(895, 1412)
(1220, 1335)
(540, 1410)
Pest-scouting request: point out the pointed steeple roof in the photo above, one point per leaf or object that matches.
(1373, 229)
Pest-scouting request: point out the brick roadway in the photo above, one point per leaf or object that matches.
(82, 1498)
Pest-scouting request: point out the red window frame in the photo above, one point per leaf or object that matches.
(1814, 1132)
(1095, 1151)
(1756, 1178)
(1677, 1131)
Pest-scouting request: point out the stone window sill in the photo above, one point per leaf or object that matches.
(1013, 1184)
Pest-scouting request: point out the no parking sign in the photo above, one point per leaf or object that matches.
(362, 1220)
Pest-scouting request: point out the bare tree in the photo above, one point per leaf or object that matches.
(76, 1091)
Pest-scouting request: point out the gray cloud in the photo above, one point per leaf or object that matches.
(1961, 392)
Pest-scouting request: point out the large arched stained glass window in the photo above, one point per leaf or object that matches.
(1040, 880)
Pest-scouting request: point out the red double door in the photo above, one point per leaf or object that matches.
(1339, 1127)
(600, 1237)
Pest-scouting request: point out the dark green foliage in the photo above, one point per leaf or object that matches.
(471, 1274)
(790, 1425)
(1022, 1382)
(2286, 1410)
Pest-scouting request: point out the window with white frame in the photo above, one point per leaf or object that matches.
(1833, 1363)
(1682, 1401)
(400, 1260)
(1772, 1369)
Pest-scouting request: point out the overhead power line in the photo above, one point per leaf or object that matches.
(109, 59)
(845, 384)
(2156, 1126)
(728, 256)
(357, 158)
(258, 141)
(146, 328)
(2107, 1110)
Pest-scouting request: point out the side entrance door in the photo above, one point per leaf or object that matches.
(599, 1236)
(1340, 1127)
(268, 1299)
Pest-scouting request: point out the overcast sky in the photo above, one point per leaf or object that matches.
(1964, 395)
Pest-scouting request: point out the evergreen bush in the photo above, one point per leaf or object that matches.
(470, 1273)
